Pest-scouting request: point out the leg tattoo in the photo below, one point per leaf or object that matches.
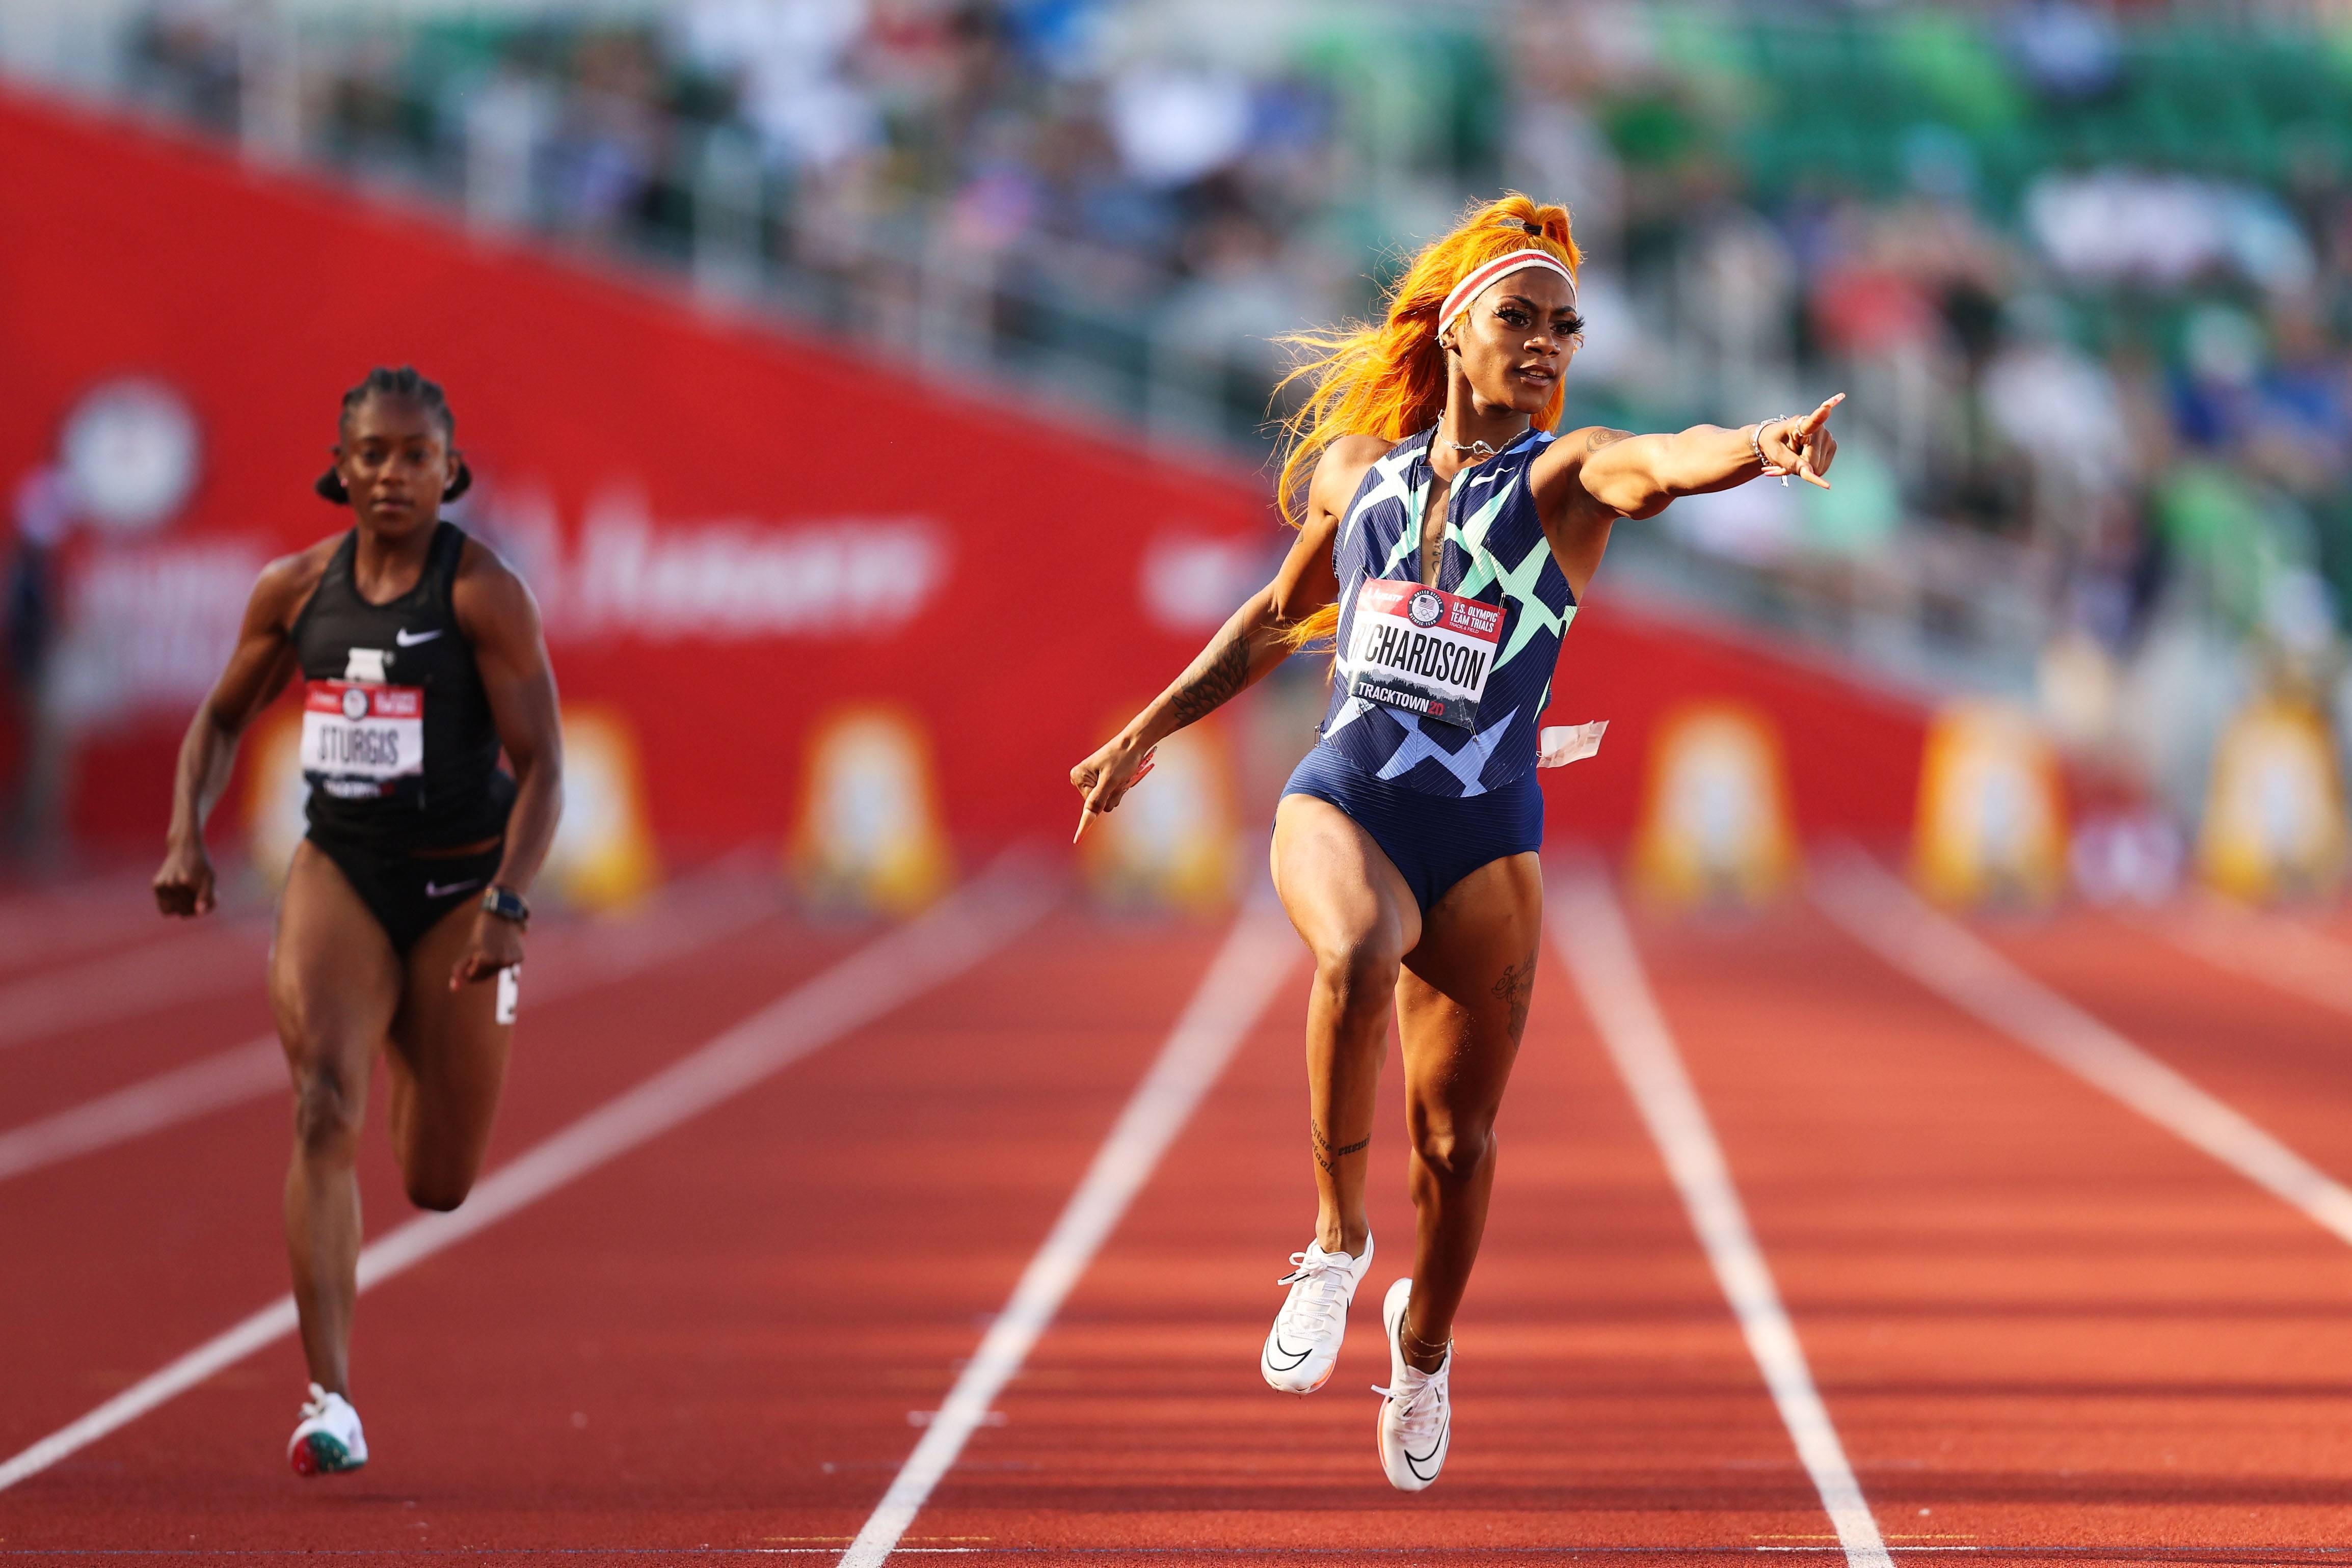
(1326, 1155)
(1517, 987)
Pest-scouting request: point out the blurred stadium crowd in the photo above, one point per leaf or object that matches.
(2087, 271)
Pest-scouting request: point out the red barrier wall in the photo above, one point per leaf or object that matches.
(733, 529)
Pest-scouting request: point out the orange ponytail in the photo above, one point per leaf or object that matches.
(1388, 378)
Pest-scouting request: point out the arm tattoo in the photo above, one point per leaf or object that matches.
(1517, 987)
(1225, 671)
(1326, 1155)
(1601, 438)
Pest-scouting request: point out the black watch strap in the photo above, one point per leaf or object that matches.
(507, 905)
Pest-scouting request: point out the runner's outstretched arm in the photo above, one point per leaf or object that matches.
(1637, 475)
(1255, 639)
(1589, 478)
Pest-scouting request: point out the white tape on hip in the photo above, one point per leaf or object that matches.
(1562, 744)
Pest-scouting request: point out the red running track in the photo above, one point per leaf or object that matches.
(2046, 1329)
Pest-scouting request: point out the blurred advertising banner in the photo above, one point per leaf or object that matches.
(733, 536)
(736, 537)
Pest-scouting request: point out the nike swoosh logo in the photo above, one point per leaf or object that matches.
(1276, 1347)
(443, 890)
(1482, 479)
(1414, 1461)
(405, 641)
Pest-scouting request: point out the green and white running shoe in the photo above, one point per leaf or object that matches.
(328, 1440)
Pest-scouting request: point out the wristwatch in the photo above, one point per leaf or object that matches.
(507, 905)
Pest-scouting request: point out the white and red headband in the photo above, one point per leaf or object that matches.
(1476, 282)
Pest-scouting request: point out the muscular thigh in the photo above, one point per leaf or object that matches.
(448, 1048)
(1339, 887)
(334, 981)
(1462, 1001)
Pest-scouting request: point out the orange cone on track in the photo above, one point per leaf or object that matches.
(602, 857)
(2274, 812)
(275, 795)
(1992, 823)
(1715, 823)
(870, 833)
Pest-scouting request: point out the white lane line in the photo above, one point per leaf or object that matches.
(185, 967)
(895, 969)
(1239, 985)
(229, 1077)
(38, 924)
(2283, 953)
(696, 916)
(1590, 937)
(1883, 915)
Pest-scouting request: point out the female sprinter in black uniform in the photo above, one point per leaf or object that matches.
(401, 921)
(1447, 535)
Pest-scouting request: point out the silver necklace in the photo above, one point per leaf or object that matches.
(1475, 448)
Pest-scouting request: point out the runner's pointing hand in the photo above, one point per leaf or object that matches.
(1801, 446)
(1104, 778)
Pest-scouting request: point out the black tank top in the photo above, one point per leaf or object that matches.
(398, 747)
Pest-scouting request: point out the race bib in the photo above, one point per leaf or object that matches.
(359, 738)
(1422, 650)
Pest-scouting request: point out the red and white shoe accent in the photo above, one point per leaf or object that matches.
(329, 1440)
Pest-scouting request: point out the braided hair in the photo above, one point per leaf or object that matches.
(407, 381)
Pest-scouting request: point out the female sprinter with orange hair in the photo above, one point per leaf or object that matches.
(1445, 537)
